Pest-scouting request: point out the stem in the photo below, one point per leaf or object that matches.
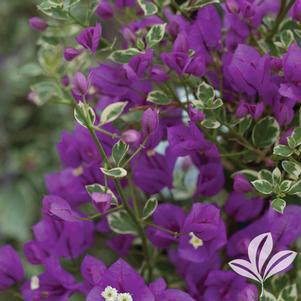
(141, 146)
(100, 214)
(281, 15)
(126, 205)
(262, 290)
(112, 135)
(178, 8)
(225, 155)
(175, 234)
(76, 20)
(138, 226)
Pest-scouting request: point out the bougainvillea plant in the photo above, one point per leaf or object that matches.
(186, 146)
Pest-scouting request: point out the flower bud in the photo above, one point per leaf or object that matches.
(276, 63)
(296, 11)
(241, 184)
(104, 10)
(101, 201)
(38, 23)
(233, 6)
(157, 74)
(34, 253)
(11, 267)
(71, 53)
(80, 86)
(32, 97)
(129, 35)
(150, 121)
(195, 115)
(130, 136)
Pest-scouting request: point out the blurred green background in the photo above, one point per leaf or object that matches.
(28, 134)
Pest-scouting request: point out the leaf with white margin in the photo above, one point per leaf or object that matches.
(245, 268)
(112, 111)
(264, 252)
(286, 257)
(116, 172)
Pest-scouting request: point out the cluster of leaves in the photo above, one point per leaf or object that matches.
(285, 181)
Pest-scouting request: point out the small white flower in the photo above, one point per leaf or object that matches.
(195, 241)
(34, 283)
(124, 297)
(110, 293)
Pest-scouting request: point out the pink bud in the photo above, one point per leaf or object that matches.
(104, 10)
(101, 201)
(150, 121)
(130, 136)
(241, 184)
(38, 23)
(80, 86)
(71, 53)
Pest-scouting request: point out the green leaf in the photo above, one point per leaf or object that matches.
(155, 35)
(250, 174)
(276, 175)
(140, 44)
(297, 135)
(158, 97)
(265, 132)
(100, 188)
(285, 185)
(279, 282)
(31, 69)
(124, 56)
(84, 115)
(149, 208)
(282, 150)
(291, 142)
(148, 7)
(268, 297)
(192, 5)
(289, 293)
(46, 91)
(287, 38)
(265, 174)
(205, 92)
(53, 8)
(116, 172)
(292, 168)
(120, 222)
(112, 112)
(263, 186)
(279, 205)
(210, 124)
(213, 104)
(119, 151)
(68, 4)
(244, 124)
(295, 188)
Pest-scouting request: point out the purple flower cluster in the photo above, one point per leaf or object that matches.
(158, 134)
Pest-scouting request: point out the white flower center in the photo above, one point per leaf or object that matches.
(124, 297)
(110, 294)
(195, 241)
(78, 171)
(34, 283)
